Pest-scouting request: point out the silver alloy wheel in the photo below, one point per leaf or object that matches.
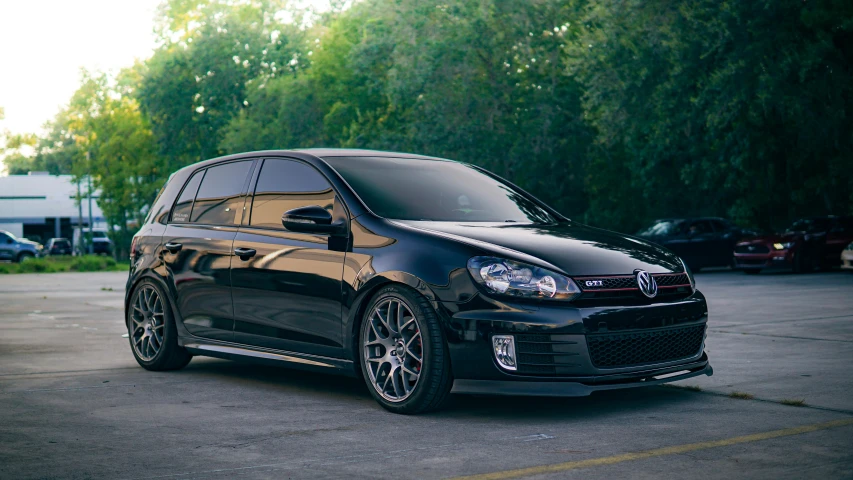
(147, 323)
(393, 350)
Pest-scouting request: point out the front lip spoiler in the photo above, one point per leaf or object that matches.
(564, 389)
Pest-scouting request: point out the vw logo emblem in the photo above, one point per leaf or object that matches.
(646, 283)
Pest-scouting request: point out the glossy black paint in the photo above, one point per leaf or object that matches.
(301, 294)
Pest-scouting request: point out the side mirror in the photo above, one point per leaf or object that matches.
(313, 219)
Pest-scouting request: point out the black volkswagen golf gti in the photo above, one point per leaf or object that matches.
(421, 275)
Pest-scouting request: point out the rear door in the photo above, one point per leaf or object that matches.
(198, 247)
(288, 290)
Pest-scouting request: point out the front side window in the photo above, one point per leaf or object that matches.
(436, 190)
(284, 185)
(219, 200)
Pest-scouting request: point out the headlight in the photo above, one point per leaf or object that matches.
(516, 279)
(783, 246)
(689, 276)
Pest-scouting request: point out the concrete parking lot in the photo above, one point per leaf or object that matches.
(74, 404)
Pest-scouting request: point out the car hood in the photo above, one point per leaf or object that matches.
(24, 241)
(575, 249)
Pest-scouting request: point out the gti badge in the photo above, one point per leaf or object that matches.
(594, 283)
(647, 283)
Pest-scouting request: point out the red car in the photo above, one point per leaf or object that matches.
(808, 244)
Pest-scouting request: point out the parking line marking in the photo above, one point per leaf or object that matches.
(657, 452)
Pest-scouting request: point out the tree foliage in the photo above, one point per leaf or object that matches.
(614, 111)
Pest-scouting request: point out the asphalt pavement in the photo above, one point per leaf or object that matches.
(74, 404)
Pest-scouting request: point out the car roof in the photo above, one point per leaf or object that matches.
(357, 152)
(301, 153)
(691, 219)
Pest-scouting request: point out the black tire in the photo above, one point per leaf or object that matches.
(170, 355)
(435, 380)
(752, 271)
(24, 256)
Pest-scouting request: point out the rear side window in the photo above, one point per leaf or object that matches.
(219, 200)
(184, 205)
(284, 185)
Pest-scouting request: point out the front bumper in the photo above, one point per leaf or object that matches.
(571, 368)
(782, 259)
(847, 259)
(584, 387)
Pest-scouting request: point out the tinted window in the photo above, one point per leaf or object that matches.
(721, 226)
(284, 185)
(184, 205)
(219, 200)
(700, 227)
(435, 190)
(4, 237)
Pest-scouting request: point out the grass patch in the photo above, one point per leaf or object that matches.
(85, 263)
(793, 403)
(741, 395)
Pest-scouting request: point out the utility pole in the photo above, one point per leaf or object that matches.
(91, 232)
(79, 246)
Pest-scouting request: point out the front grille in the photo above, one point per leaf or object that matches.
(754, 248)
(629, 282)
(607, 283)
(668, 280)
(546, 354)
(748, 261)
(628, 349)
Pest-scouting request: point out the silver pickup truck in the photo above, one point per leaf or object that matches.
(17, 249)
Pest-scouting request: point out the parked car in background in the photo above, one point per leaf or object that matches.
(101, 243)
(847, 257)
(808, 244)
(17, 249)
(58, 246)
(701, 242)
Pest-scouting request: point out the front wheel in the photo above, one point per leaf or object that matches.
(151, 330)
(403, 355)
(25, 257)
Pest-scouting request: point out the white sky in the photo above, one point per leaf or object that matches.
(45, 43)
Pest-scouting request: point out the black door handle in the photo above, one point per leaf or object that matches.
(245, 253)
(173, 247)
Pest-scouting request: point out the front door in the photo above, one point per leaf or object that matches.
(287, 285)
(7, 247)
(198, 245)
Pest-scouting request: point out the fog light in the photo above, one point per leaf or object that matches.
(504, 346)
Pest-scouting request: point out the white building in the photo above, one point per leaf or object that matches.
(41, 206)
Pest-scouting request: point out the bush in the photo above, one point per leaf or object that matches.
(36, 265)
(92, 263)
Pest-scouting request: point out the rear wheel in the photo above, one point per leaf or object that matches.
(151, 330)
(403, 355)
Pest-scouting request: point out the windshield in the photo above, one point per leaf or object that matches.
(435, 190)
(99, 234)
(661, 227)
(810, 225)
